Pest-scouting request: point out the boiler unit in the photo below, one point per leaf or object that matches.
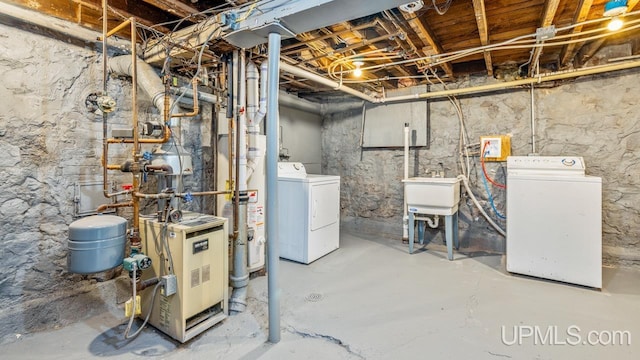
(191, 259)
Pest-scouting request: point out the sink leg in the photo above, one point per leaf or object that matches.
(456, 239)
(421, 227)
(411, 231)
(448, 233)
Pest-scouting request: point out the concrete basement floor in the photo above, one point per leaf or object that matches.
(372, 300)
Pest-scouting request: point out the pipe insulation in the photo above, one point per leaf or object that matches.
(262, 100)
(253, 76)
(255, 104)
(187, 92)
(148, 80)
(324, 81)
(469, 90)
(151, 84)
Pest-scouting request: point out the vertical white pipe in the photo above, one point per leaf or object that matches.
(405, 219)
(262, 108)
(252, 97)
(533, 122)
(242, 121)
(273, 254)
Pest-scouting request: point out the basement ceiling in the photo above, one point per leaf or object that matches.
(435, 40)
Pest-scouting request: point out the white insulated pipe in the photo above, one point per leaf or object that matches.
(151, 85)
(262, 102)
(147, 78)
(324, 81)
(405, 217)
(474, 89)
(253, 76)
(255, 149)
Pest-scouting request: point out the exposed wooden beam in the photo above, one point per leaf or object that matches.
(429, 38)
(587, 50)
(121, 14)
(357, 33)
(569, 51)
(481, 19)
(550, 8)
(175, 7)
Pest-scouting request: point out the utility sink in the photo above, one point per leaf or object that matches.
(435, 196)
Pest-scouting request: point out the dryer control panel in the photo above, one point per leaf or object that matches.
(546, 165)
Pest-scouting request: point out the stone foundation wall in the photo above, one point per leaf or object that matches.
(595, 117)
(49, 141)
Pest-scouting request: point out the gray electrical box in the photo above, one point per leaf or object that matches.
(88, 196)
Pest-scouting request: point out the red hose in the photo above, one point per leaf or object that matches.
(484, 170)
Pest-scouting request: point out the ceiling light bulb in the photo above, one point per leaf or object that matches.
(615, 24)
(357, 72)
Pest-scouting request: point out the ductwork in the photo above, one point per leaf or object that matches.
(148, 80)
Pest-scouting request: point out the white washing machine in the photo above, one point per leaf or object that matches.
(554, 219)
(308, 213)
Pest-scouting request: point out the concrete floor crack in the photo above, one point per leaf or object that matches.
(499, 355)
(328, 338)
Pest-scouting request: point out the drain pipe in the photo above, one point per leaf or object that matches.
(405, 217)
(273, 254)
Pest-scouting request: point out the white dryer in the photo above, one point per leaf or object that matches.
(308, 213)
(554, 219)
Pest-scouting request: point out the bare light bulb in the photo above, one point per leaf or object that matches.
(357, 72)
(615, 24)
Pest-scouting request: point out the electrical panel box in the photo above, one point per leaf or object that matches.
(495, 147)
(196, 297)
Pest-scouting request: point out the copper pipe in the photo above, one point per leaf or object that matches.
(167, 100)
(105, 70)
(113, 167)
(143, 284)
(118, 28)
(207, 193)
(153, 196)
(170, 195)
(135, 153)
(162, 140)
(104, 207)
(196, 110)
(236, 195)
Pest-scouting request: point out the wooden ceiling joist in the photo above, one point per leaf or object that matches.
(481, 19)
(429, 38)
(569, 51)
(550, 8)
(584, 52)
(175, 7)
